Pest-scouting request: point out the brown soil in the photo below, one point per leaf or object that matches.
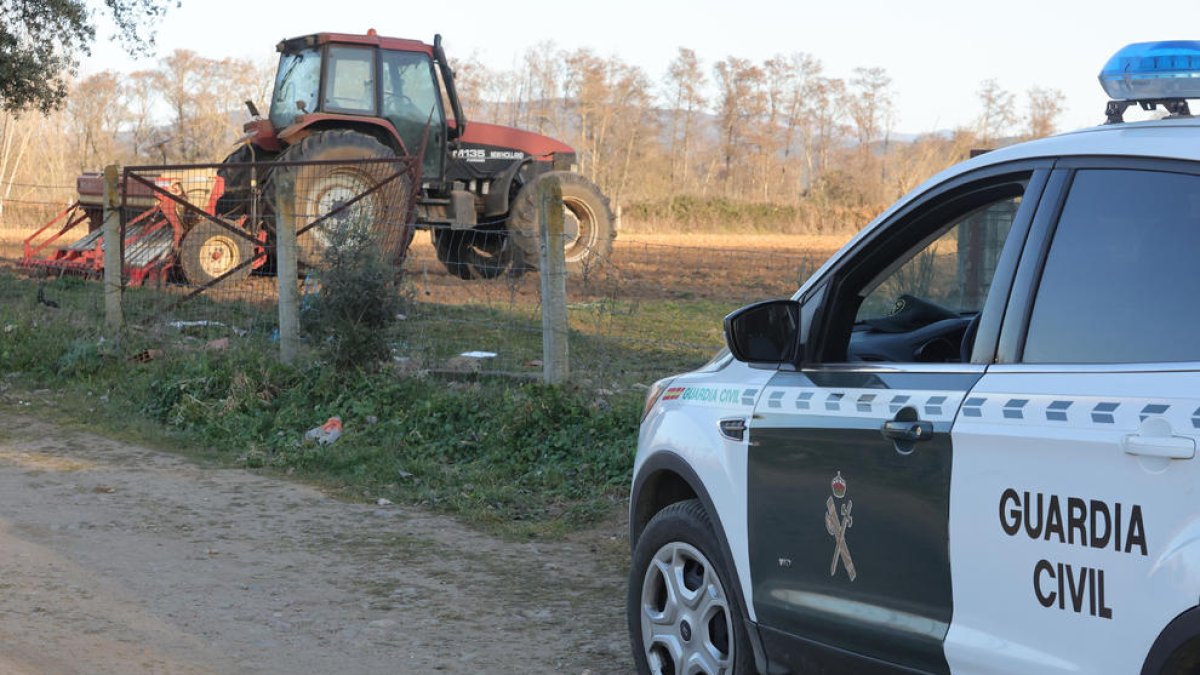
(643, 267)
(115, 558)
(649, 267)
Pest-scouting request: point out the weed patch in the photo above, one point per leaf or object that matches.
(515, 457)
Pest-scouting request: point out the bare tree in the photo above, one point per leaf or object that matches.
(800, 95)
(826, 129)
(14, 142)
(997, 115)
(742, 103)
(685, 90)
(1045, 107)
(869, 103)
(541, 93)
(205, 97)
(97, 110)
(141, 95)
(613, 118)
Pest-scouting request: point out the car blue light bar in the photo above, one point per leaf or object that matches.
(1153, 70)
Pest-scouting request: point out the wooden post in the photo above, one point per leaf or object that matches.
(553, 266)
(287, 272)
(114, 253)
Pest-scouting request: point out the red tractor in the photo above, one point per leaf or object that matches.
(341, 97)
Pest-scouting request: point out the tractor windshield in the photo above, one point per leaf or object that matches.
(296, 86)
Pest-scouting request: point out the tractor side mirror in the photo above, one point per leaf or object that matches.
(765, 333)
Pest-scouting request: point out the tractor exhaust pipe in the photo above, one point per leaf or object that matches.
(460, 122)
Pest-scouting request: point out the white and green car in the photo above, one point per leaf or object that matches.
(967, 443)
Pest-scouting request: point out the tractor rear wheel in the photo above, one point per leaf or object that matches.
(209, 251)
(350, 195)
(588, 222)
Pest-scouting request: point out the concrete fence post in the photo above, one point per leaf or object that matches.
(553, 277)
(287, 272)
(114, 251)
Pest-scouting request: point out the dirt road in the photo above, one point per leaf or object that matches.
(119, 559)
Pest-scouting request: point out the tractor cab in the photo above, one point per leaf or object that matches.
(390, 87)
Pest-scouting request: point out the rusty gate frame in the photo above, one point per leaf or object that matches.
(408, 165)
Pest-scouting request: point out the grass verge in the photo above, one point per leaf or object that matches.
(517, 458)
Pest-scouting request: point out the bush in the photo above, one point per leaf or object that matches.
(357, 303)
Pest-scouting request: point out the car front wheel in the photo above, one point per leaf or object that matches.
(683, 616)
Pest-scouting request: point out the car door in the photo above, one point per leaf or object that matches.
(850, 455)
(1074, 513)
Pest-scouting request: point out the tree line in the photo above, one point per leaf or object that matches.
(780, 131)
(807, 149)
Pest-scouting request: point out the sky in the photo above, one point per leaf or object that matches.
(936, 51)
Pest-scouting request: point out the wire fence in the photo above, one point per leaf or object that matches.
(200, 263)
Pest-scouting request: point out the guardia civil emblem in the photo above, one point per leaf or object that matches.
(837, 521)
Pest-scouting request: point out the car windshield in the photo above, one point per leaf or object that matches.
(296, 86)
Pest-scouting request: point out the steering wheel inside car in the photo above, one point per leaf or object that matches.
(940, 341)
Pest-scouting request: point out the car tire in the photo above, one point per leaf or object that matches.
(683, 613)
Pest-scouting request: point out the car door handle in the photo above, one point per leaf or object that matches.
(909, 431)
(1166, 447)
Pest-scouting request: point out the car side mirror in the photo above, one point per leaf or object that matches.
(765, 332)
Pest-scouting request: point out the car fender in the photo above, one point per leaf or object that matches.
(1177, 572)
(682, 438)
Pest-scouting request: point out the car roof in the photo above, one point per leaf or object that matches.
(1171, 138)
(1166, 138)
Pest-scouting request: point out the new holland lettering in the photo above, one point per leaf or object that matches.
(1072, 520)
(1079, 589)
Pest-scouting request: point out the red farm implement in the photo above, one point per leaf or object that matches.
(170, 225)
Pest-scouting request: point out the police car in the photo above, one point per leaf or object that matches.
(968, 442)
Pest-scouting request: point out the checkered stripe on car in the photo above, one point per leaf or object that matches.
(1079, 411)
(874, 403)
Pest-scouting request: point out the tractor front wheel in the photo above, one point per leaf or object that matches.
(210, 252)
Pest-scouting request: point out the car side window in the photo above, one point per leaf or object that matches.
(954, 271)
(1120, 281)
(916, 296)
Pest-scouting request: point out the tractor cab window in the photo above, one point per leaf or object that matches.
(412, 101)
(296, 86)
(350, 81)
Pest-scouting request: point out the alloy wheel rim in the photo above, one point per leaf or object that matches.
(687, 628)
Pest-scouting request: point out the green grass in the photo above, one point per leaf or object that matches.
(506, 453)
